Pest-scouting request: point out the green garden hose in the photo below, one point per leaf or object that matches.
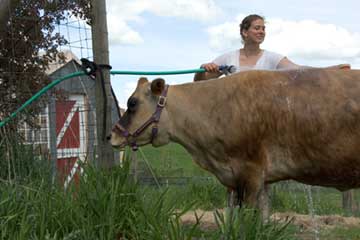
(80, 73)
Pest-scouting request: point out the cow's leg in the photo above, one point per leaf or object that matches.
(252, 191)
(264, 202)
(256, 196)
(235, 197)
(231, 197)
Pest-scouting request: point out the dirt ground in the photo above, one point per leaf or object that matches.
(305, 223)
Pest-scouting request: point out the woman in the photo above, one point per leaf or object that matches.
(251, 56)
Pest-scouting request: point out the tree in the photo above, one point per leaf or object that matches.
(6, 6)
(28, 31)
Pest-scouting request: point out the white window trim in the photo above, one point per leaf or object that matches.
(26, 128)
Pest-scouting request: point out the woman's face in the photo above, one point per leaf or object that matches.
(255, 33)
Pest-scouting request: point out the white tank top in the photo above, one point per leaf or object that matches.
(267, 61)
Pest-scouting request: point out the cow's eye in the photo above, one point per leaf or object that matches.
(132, 103)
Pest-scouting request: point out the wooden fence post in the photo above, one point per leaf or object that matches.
(105, 155)
(348, 201)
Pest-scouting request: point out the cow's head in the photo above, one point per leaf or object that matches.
(145, 120)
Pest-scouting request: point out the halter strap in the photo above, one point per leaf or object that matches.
(154, 119)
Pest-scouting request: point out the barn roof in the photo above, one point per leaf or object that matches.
(72, 63)
(58, 63)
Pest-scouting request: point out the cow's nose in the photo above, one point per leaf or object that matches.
(108, 137)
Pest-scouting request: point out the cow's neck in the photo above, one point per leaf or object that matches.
(195, 113)
(199, 122)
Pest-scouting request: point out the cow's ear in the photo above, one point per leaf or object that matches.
(142, 80)
(157, 86)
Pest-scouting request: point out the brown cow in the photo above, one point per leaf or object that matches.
(256, 127)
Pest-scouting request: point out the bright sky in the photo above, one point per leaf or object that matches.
(159, 35)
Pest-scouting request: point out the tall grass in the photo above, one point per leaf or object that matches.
(18, 161)
(106, 205)
(247, 224)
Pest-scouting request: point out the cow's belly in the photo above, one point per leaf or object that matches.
(221, 169)
(280, 164)
(342, 177)
(341, 173)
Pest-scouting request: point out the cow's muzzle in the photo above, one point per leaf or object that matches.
(130, 138)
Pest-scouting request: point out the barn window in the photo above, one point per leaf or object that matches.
(38, 134)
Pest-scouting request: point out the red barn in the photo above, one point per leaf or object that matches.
(67, 126)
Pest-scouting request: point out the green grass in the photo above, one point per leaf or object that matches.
(108, 205)
(171, 160)
(207, 195)
(294, 198)
(247, 224)
(352, 233)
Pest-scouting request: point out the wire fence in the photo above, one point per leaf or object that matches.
(61, 125)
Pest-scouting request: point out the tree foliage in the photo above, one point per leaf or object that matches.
(28, 44)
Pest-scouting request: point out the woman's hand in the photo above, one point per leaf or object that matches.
(211, 67)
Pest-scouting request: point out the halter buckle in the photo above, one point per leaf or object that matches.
(162, 101)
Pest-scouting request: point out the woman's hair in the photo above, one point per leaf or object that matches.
(246, 22)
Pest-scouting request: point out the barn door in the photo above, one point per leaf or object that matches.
(70, 138)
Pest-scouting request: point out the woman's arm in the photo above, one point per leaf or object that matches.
(211, 71)
(285, 63)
